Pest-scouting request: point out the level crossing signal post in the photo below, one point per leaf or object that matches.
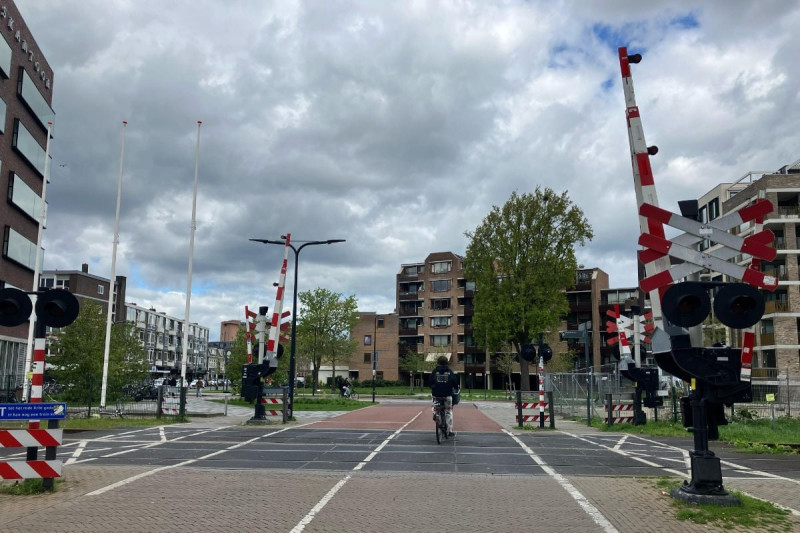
(719, 374)
(56, 308)
(528, 353)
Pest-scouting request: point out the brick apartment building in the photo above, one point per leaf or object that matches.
(26, 82)
(777, 342)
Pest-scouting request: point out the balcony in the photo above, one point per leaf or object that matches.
(788, 211)
(407, 332)
(405, 311)
(776, 306)
(767, 339)
(410, 296)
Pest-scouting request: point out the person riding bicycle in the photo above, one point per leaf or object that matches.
(346, 388)
(444, 383)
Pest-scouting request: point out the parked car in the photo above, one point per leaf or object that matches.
(142, 391)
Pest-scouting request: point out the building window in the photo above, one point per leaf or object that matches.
(46, 283)
(413, 270)
(380, 323)
(30, 95)
(442, 267)
(713, 209)
(23, 197)
(5, 59)
(367, 340)
(440, 303)
(440, 285)
(27, 147)
(2, 116)
(440, 340)
(367, 357)
(440, 321)
(19, 248)
(101, 289)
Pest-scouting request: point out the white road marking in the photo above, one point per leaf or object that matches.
(620, 442)
(185, 463)
(76, 453)
(627, 454)
(162, 434)
(590, 509)
(301, 525)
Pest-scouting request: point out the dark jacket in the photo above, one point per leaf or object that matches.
(443, 381)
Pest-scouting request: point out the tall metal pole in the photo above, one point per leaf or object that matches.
(111, 279)
(191, 254)
(293, 352)
(588, 379)
(36, 266)
(374, 355)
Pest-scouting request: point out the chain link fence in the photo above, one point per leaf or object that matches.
(776, 392)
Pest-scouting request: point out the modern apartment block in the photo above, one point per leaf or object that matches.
(777, 343)
(25, 109)
(434, 308)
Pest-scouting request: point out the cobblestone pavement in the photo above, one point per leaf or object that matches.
(187, 498)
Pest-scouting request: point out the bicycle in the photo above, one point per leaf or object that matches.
(352, 394)
(440, 418)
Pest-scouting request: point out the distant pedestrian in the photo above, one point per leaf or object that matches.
(199, 387)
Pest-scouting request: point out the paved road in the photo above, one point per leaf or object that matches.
(378, 469)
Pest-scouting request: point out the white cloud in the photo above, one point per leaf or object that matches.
(396, 126)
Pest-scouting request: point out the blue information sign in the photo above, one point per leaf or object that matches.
(33, 411)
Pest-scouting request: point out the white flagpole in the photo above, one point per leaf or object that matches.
(191, 253)
(112, 279)
(36, 267)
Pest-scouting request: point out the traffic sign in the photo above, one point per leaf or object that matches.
(33, 411)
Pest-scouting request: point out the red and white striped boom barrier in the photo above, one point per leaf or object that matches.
(249, 331)
(643, 181)
(277, 310)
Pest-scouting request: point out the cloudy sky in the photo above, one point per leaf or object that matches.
(395, 125)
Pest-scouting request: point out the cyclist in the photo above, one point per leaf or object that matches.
(443, 383)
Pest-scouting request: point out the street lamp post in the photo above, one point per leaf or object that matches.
(290, 410)
(227, 359)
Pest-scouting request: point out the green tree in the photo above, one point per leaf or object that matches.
(78, 350)
(324, 323)
(505, 364)
(414, 363)
(522, 258)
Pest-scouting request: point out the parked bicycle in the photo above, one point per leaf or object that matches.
(440, 418)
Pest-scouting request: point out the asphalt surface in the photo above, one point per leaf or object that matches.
(378, 469)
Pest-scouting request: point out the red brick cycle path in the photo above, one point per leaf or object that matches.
(393, 416)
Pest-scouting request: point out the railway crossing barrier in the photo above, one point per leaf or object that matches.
(534, 405)
(619, 408)
(275, 401)
(33, 439)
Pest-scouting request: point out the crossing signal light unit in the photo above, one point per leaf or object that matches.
(56, 308)
(737, 305)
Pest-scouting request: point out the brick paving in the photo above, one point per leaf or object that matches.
(190, 498)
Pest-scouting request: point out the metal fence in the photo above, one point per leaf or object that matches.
(776, 393)
(84, 399)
